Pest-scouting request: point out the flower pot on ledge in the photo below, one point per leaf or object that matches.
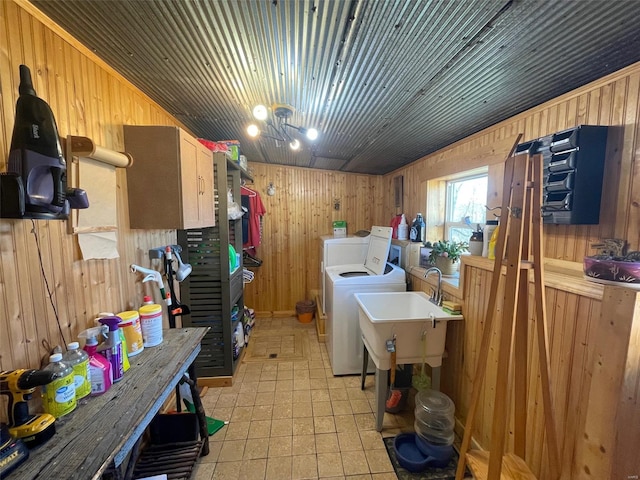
(446, 265)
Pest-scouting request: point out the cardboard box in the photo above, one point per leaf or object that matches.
(340, 228)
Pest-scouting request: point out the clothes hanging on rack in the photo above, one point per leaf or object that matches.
(251, 222)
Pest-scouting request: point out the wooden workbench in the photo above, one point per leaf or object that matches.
(102, 430)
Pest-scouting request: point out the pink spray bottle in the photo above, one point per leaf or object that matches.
(99, 367)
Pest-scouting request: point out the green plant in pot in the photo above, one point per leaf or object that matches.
(445, 255)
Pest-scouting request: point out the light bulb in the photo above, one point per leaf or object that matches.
(295, 144)
(312, 134)
(260, 112)
(253, 130)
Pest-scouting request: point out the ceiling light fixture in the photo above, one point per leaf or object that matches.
(276, 127)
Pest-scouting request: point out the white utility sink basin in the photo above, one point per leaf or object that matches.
(408, 315)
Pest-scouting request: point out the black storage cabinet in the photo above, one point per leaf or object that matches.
(573, 170)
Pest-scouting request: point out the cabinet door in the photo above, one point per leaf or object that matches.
(205, 173)
(190, 181)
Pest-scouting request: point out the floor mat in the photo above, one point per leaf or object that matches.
(277, 345)
(447, 473)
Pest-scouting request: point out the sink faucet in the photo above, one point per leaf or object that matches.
(436, 297)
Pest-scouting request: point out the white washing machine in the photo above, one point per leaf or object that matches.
(340, 251)
(344, 344)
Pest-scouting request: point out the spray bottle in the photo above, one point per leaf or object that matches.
(403, 229)
(123, 338)
(100, 368)
(111, 348)
(79, 361)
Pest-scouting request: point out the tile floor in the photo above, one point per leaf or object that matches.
(295, 420)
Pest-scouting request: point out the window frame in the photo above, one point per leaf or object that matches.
(449, 224)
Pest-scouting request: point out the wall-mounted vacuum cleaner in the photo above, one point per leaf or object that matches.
(35, 184)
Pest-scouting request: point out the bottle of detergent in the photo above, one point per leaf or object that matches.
(123, 339)
(79, 361)
(418, 229)
(403, 229)
(59, 396)
(100, 368)
(111, 348)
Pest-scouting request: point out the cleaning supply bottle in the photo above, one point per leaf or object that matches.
(79, 361)
(491, 253)
(147, 300)
(100, 368)
(418, 229)
(123, 339)
(111, 348)
(487, 232)
(59, 396)
(403, 229)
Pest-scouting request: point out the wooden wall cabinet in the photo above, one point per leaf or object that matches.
(215, 293)
(170, 183)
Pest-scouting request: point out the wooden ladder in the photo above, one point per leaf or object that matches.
(519, 250)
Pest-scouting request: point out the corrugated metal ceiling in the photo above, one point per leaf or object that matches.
(385, 82)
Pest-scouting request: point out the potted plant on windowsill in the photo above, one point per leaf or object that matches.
(445, 255)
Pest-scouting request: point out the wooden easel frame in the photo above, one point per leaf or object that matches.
(522, 227)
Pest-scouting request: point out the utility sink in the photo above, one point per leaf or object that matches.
(410, 316)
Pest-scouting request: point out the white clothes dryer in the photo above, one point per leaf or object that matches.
(343, 336)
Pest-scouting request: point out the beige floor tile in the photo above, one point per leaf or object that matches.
(327, 443)
(237, 431)
(241, 414)
(349, 441)
(246, 399)
(285, 366)
(285, 375)
(267, 386)
(249, 387)
(214, 450)
(322, 409)
(338, 394)
(319, 383)
(265, 398)
(282, 427)
(335, 382)
(317, 372)
(304, 444)
(365, 421)
(301, 374)
(255, 469)
(324, 424)
(270, 367)
(303, 426)
(360, 406)
(227, 471)
(259, 429)
(268, 375)
(278, 468)
(232, 451)
(345, 423)
(203, 471)
(284, 385)
(302, 409)
(301, 384)
(252, 376)
(262, 412)
(316, 364)
(221, 413)
(371, 440)
(364, 476)
(304, 467)
(356, 393)
(320, 395)
(282, 411)
(378, 461)
(256, 448)
(341, 407)
(302, 396)
(329, 465)
(280, 447)
(354, 463)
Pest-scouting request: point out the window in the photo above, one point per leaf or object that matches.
(465, 202)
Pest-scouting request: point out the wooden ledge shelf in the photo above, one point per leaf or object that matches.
(513, 467)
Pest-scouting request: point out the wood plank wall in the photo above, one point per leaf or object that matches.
(89, 99)
(302, 210)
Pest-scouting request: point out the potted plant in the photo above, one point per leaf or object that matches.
(445, 255)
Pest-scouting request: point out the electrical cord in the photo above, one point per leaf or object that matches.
(46, 282)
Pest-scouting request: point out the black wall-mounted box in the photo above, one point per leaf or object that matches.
(573, 170)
